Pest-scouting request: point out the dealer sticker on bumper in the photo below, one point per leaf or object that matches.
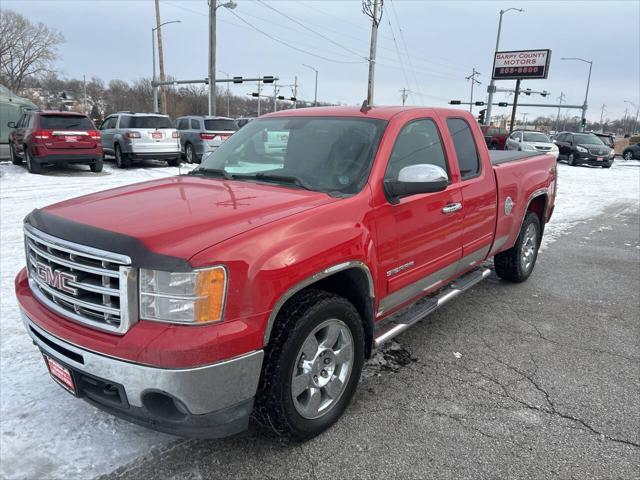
(60, 374)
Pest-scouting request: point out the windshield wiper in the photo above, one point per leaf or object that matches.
(297, 181)
(221, 172)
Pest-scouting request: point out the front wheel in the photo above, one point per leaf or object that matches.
(312, 365)
(628, 155)
(516, 264)
(571, 160)
(15, 159)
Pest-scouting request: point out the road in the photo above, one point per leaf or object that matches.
(536, 380)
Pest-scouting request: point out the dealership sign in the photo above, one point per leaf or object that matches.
(521, 64)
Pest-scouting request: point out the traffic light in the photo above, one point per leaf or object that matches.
(503, 104)
(280, 97)
(293, 99)
(481, 116)
(527, 91)
(254, 94)
(454, 102)
(544, 93)
(237, 79)
(583, 122)
(267, 79)
(479, 104)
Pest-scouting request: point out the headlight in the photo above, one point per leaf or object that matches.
(183, 297)
(554, 147)
(612, 153)
(581, 149)
(528, 147)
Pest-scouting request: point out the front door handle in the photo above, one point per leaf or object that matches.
(452, 207)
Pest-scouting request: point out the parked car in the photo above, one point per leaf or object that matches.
(632, 152)
(584, 149)
(531, 141)
(495, 137)
(243, 121)
(199, 135)
(43, 138)
(222, 294)
(11, 109)
(132, 136)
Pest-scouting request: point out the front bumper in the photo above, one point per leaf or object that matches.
(210, 401)
(588, 159)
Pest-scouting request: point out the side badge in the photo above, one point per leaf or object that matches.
(508, 206)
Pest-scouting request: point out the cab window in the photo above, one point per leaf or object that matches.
(418, 142)
(465, 147)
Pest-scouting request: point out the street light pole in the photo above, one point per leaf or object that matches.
(154, 88)
(635, 121)
(492, 84)
(213, 7)
(586, 95)
(315, 95)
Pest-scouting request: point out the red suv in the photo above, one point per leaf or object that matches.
(53, 138)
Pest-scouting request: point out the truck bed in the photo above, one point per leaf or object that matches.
(504, 156)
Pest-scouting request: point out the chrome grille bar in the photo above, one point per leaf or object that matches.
(99, 287)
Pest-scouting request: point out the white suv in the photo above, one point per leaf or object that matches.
(132, 136)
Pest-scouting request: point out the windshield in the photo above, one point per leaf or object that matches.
(65, 122)
(324, 154)
(536, 137)
(128, 121)
(587, 139)
(224, 125)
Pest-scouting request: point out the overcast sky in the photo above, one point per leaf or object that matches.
(437, 43)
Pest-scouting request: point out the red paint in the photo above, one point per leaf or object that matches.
(271, 237)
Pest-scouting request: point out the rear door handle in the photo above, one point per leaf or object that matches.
(452, 207)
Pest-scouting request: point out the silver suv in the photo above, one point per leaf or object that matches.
(200, 135)
(132, 136)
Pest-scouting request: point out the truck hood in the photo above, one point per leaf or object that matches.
(178, 216)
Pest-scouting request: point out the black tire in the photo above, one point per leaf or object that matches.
(627, 155)
(571, 160)
(32, 166)
(493, 146)
(190, 153)
(508, 264)
(122, 161)
(15, 159)
(608, 165)
(275, 409)
(97, 166)
(173, 162)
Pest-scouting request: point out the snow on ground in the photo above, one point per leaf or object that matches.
(46, 433)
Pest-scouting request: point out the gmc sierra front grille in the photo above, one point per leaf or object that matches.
(89, 286)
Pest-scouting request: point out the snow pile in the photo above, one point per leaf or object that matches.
(46, 433)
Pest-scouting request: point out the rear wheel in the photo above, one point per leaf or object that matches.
(628, 155)
(32, 165)
(97, 166)
(312, 365)
(516, 264)
(121, 159)
(15, 159)
(174, 162)
(189, 153)
(493, 146)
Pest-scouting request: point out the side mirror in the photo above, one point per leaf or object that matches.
(11, 124)
(414, 179)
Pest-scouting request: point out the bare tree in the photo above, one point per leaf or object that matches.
(26, 50)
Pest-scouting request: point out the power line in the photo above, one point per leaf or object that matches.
(310, 29)
(415, 77)
(404, 72)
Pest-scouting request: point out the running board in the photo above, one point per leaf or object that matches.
(402, 321)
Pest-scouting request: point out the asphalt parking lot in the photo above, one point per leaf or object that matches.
(535, 380)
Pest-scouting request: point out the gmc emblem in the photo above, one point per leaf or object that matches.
(56, 278)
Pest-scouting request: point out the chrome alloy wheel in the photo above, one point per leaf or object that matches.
(529, 244)
(322, 370)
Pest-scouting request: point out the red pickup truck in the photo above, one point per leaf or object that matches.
(258, 284)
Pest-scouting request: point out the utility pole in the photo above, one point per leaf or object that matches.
(472, 77)
(84, 100)
(295, 92)
(212, 57)
(404, 93)
(163, 92)
(259, 93)
(515, 105)
(560, 99)
(315, 95)
(373, 9)
(275, 96)
(602, 117)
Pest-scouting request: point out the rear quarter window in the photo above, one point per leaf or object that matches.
(65, 122)
(465, 147)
